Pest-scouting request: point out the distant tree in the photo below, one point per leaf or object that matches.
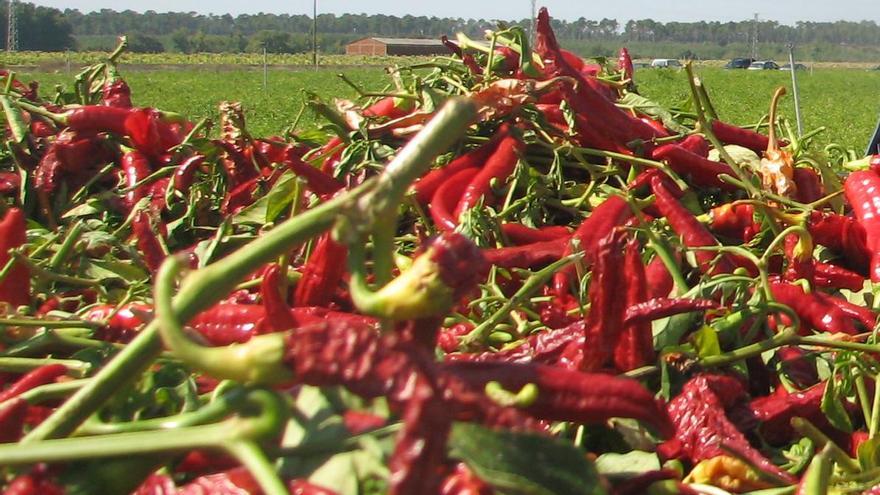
(39, 28)
(274, 41)
(180, 41)
(142, 43)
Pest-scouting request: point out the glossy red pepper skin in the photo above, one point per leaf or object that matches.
(613, 212)
(797, 366)
(277, 316)
(528, 255)
(842, 234)
(123, 325)
(809, 185)
(696, 144)
(702, 171)
(775, 411)
(71, 156)
(446, 198)
(316, 180)
(303, 487)
(390, 107)
(136, 167)
(186, 173)
(426, 186)
(865, 316)
(12, 419)
(15, 289)
(733, 220)
(462, 481)
(862, 190)
(146, 237)
(499, 167)
(39, 376)
(98, 118)
(692, 232)
(116, 93)
(519, 234)
(830, 276)
(659, 280)
(625, 63)
(149, 133)
(731, 134)
(813, 309)
(322, 273)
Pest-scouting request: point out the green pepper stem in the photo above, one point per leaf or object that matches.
(259, 360)
(77, 369)
(805, 428)
(205, 287)
(253, 458)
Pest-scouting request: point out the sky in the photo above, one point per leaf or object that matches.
(783, 11)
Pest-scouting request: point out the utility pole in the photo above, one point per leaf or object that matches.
(315, 33)
(532, 23)
(11, 27)
(755, 37)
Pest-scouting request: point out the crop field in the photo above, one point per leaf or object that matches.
(843, 100)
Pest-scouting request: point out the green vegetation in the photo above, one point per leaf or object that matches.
(844, 100)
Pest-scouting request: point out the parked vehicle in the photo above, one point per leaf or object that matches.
(739, 63)
(665, 63)
(796, 67)
(764, 65)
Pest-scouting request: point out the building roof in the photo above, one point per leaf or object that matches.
(408, 41)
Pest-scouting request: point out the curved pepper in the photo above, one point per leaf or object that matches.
(862, 189)
(15, 289)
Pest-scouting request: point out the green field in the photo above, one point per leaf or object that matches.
(843, 100)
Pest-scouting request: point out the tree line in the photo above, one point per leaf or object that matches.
(42, 28)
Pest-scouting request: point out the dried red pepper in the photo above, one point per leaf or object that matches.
(15, 288)
(322, 273)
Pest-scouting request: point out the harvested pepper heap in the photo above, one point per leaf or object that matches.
(511, 274)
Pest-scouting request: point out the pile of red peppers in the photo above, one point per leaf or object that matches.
(510, 274)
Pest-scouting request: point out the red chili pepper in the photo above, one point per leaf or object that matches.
(702, 426)
(862, 189)
(240, 197)
(659, 280)
(609, 122)
(15, 289)
(567, 395)
(123, 325)
(499, 166)
(232, 482)
(147, 237)
(696, 144)
(317, 181)
(303, 487)
(426, 186)
(864, 315)
(70, 156)
(98, 118)
(830, 276)
(659, 129)
(322, 273)
(186, 173)
(462, 481)
(527, 255)
(329, 154)
(447, 197)
(814, 310)
(774, 413)
(797, 366)
(116, 93)
(553, 113)
(38, 376)
(692, 232)
(277, 317)
(12, 416)
(702, 172)
(731, 134)
(842, 234)
(41, 129)
(654, 309)
(390, 107)
(635, 348)
(519, 234)
(809, 185)
(613, 212)
(734, 220)
(625, 63)
(799, 253)
(136, 167)
(149, 133)
(608, 286)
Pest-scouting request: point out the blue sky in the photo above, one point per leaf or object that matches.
(784, 11)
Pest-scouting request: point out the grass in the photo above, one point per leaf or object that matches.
(843, 100)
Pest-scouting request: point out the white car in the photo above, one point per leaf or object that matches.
(665, 63)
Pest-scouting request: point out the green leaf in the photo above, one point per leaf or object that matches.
(649, 107)
(627, 465)
(706, 342)
(832, 407)
(15, 119)
(267, 208)
(524, 463)
(869, 454)
(106, 270)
